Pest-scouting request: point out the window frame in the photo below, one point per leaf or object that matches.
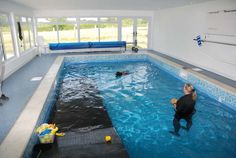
(67, 22)
(78, 21)
(28, 32)
(12, 37)
(29, 25)
(50, 23)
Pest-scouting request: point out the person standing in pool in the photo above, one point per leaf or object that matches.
(184, 108)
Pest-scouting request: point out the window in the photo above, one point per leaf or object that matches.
(108, 29)
(108, 32)
(86, 29)
(6, 37)
(47, 28)
(66, 20)
(31, 31)
(46, 20)
(89, 33)
(109, 20)
(19, 36)
(142, 33)
(127, 31)
(89, 30)
(25, 35)
(68, 31)
(88, 20)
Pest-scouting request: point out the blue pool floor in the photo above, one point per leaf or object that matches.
(19, 88)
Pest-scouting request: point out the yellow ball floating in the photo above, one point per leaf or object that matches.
(108, 139)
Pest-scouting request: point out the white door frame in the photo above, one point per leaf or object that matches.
(135, 26)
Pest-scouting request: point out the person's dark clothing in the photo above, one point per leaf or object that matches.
(185, 108)
(118, 74)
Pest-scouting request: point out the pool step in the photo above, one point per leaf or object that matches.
(87, 145)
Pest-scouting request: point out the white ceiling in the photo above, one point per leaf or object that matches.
(106, 4)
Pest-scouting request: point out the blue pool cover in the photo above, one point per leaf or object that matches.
(82, 45)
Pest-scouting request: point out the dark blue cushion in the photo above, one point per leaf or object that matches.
(81, 45)
(110, 44)
(75, 45)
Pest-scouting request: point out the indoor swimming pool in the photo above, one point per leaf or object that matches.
(138, 106)
(61, 95)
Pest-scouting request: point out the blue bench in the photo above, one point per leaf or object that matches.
(84, 45)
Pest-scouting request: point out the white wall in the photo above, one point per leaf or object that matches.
(16, 63)
(174, 30)
(19, 60)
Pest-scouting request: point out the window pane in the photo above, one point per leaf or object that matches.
(23, 19)
(29, 20)
(7, 41)
(62, 20)
(68, 33)
(88, 19)
(127, 31)
(31, 36)
(20, 42)
(88, 32)
(46, 20)
(25, 30)
(48, 32)
(17, 18)
(142, 33)
(6, 36)
(108, 32)
(111, 19)
(3, 19)
(31, 32)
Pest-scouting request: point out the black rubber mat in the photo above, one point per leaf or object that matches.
(92, 137)
(87, 145)
(79, 105)
(80, 113)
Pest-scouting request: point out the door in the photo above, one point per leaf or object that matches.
(128, 26)
(142, 33)
(135, 32)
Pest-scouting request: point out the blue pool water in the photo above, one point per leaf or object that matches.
(138, 105)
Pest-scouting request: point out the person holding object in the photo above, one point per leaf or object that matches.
(2, 96)
(184, 108)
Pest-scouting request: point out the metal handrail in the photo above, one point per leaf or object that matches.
(229, 44)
